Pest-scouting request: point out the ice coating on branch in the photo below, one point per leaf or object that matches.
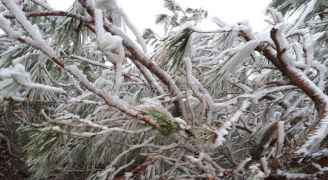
(309, 48)
(19, 76)
(112, 46)
(106, 4)
(224, 129)
(105, 40)
(312, 90)
(21, 18)
(5, 25)
(117, 15)
(264, 36)
(241, 53)
(113, 8)
(44, 4)
(182, 123)
(219, 22)
(284, 46)
(300, 21)
(313, 143)
(281, 137)
(289, 175)
(17, 70)
(36, 39)
(104, 82)
(276, 16)
(135, 31)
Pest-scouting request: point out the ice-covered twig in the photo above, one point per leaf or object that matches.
(110, 100)
(95, 63)
(265, 166)
(309, 87)
(33, 30)
(90, 134)
(5, 25)
(198, 89)
(135, 30)
(255, 96)
(224, 129)
(200, 163)
(276, 16)
(242, 165)
(280, 138)
(308, 48)
(77, 122)
(289, 175)
(118, 14)
(110, 168)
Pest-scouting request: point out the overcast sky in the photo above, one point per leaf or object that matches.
(143, 12)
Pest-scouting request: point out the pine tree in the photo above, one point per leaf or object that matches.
(94, 101)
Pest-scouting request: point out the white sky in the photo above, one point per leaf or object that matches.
(143, 12)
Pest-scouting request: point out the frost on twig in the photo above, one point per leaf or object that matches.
(80, 124)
